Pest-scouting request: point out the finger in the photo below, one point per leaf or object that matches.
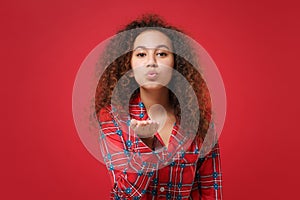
(133, 124)
(144, 123)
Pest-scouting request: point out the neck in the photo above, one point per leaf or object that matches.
(151, 97)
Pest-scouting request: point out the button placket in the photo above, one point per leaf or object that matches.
(162, 189)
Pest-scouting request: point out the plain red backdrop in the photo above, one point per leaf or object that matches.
(255, 45)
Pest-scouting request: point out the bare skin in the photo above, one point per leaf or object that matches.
(146, 129)
(152, 63)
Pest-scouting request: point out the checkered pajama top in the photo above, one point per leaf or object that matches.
(136, 175)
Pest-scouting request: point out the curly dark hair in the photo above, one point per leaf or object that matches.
(113, 69)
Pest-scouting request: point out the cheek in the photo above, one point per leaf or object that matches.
(172, 62)
(132, 62)
(136, 63)
(167, 74)
(168, 62)
(137, 73)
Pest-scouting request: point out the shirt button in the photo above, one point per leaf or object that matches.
(162, 189)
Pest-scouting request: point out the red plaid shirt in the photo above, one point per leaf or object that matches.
(190, 176)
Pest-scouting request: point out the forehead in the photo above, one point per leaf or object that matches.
(152, 39)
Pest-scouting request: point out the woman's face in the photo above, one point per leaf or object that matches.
(152, 59)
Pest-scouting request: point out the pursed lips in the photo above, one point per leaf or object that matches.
(152, 74)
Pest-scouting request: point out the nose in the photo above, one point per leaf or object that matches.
(151, 60)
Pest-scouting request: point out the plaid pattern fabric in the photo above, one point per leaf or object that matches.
(134, 172)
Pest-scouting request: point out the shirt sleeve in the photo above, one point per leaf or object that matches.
(208, 175)
(129, 175)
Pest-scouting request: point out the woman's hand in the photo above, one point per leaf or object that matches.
(144, 128)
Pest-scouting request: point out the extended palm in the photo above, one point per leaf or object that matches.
(144, 128)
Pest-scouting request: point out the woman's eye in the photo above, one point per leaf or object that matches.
(140, 54)
(162, 54)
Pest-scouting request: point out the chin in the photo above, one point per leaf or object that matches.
(153, 86)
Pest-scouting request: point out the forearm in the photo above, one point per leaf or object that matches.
(208, 175)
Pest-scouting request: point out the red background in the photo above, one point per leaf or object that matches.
(255, 45)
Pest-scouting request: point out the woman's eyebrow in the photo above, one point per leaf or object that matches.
(157, 47)
(162, 45)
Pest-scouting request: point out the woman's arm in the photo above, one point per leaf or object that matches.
(129, 176)
(208, 179)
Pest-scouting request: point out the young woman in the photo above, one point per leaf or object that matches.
(150, 152)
